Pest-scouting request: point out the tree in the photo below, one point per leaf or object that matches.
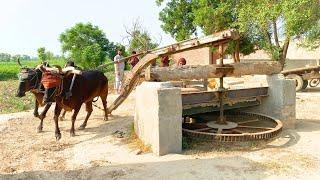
(279, 22)
(86, 44)
(139, 39)
(177, 18)
(49, 55)
(5, 57)
(42, 54)
(265, 24)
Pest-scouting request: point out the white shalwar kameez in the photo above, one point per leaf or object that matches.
(119, 72)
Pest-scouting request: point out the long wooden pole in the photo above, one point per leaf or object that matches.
(214, 39)
(214, 71)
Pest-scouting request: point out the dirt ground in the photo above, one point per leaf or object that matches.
(100, 151)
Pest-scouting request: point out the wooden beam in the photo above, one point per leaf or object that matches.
(301, 70)
(215, 39)
(214, 71)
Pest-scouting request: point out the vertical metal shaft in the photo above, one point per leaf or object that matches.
(222, 119)
(221, 92)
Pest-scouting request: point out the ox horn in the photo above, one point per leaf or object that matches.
(19, 63)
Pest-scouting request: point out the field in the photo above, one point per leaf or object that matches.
(9, 84)
(9, 70)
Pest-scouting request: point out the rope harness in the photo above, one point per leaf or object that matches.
(51, 80)
(25, 76)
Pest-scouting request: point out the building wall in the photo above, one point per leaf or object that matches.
(200, 56)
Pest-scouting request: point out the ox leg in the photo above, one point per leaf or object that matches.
(104, 103)
(36, 106)
(89, 111)
(42, 116)
(57, 111)
(73, 120)
(63, 116)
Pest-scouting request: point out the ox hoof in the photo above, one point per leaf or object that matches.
(36, 115)
(72, 134)
(58, 136)
(82, 127)
(105, 118)
(39, 129)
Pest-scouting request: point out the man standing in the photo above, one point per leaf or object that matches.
(134, 60)
(119, 70)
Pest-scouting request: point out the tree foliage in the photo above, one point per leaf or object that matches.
(87, 45)
(263, 24)
(139, 39)
(178, 18)
(6, 57)
(44, 55)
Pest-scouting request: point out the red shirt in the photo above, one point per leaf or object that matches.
(165, 61)
(134, 61)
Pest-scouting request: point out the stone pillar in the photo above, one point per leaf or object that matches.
(281, 100)
(158, 117)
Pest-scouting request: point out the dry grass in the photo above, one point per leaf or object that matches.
(284, 164)
(9, 103)
(192, 146)
(134, 142)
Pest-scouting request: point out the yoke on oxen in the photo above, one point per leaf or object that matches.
(52, 78)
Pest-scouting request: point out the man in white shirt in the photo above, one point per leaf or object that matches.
(119, 70)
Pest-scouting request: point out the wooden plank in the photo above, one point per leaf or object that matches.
(301, 70)
(214, 71)
(200, 109)
(232, 95)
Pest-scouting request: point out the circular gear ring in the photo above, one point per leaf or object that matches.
(314, 82)
(250, 127)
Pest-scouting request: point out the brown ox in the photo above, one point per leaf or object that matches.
(87, 85)
(30, 80)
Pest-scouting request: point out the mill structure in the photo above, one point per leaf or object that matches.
(164, 113)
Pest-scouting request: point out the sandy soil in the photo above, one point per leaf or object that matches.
(100, 151)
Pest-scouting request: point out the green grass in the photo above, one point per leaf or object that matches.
(9, 103)
(9, 70)
(9, 85)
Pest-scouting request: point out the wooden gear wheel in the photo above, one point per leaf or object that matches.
(240, 126)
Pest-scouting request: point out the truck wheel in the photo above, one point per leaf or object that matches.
(298, 79)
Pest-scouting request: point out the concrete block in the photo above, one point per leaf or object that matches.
(158, 113)
(281, 100)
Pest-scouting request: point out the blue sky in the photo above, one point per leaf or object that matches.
(26, 25)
